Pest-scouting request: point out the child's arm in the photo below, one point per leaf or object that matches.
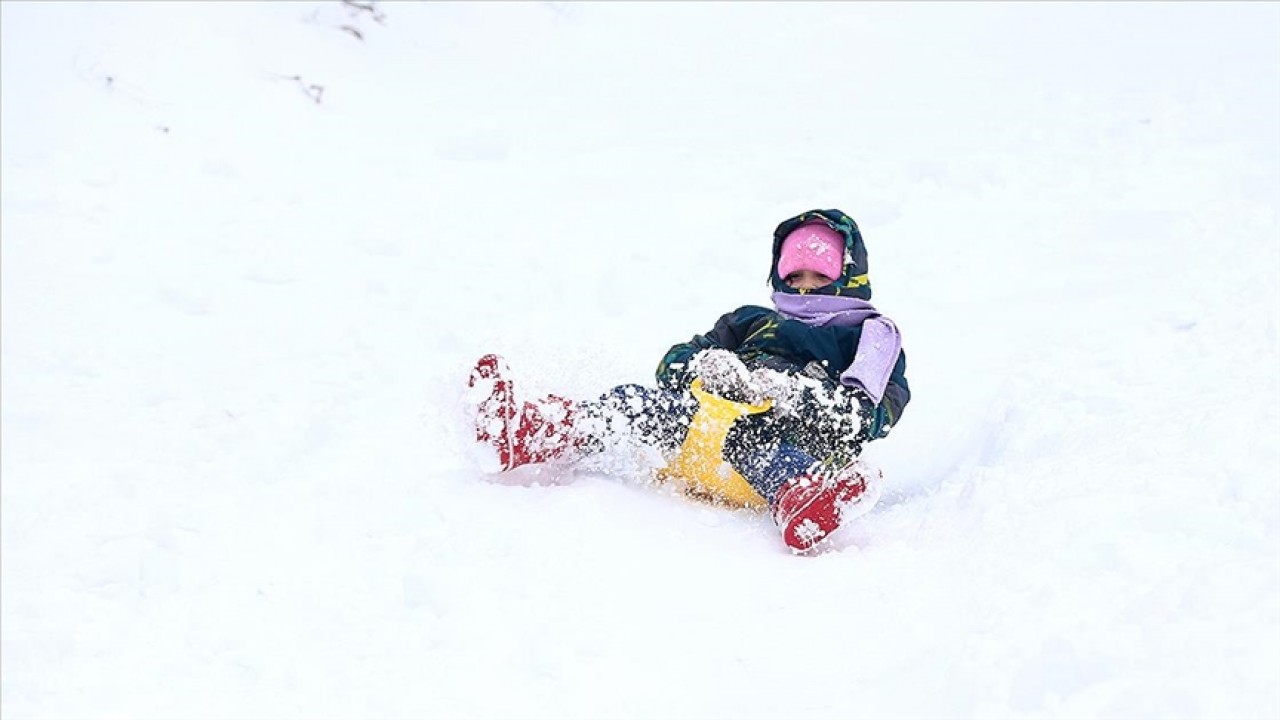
(728, 333)
(896, 396)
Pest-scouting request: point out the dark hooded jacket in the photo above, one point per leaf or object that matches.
(763, 337)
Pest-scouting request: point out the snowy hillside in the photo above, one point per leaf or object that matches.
(247, 259)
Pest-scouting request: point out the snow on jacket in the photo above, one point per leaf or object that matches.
(767, 338)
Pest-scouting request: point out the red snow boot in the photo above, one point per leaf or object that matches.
(811, 506)
(521, 433)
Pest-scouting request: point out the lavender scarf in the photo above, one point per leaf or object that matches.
(877, 350)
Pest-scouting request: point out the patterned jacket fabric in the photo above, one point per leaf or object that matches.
(764, 338)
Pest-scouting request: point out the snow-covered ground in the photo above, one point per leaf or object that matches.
(237, 323)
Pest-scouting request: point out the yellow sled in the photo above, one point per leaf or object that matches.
(698, 462)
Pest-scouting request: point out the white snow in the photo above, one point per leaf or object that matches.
(237, 325)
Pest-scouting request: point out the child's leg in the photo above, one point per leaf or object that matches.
(659, 418)
(755, 450)
(809, 498)
(523, 432)
(828, 423)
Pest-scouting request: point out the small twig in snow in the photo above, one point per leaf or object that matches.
(312, 90)
(369, 7)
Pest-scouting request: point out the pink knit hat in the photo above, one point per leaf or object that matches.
(813, 246)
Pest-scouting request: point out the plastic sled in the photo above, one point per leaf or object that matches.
(698, 462)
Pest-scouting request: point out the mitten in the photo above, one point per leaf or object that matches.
(722, 373)
(875, 419)
(879, 426)
(784, 389)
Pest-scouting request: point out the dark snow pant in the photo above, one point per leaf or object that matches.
(766, 449)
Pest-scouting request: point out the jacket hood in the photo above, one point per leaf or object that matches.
(853, 281)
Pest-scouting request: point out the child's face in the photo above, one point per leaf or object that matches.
(807, 280)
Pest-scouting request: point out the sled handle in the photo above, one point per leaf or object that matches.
(708, 400)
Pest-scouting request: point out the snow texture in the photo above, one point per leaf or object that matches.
(248, 259)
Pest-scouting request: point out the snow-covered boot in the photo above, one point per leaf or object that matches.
(521, 433)
(812, 505)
